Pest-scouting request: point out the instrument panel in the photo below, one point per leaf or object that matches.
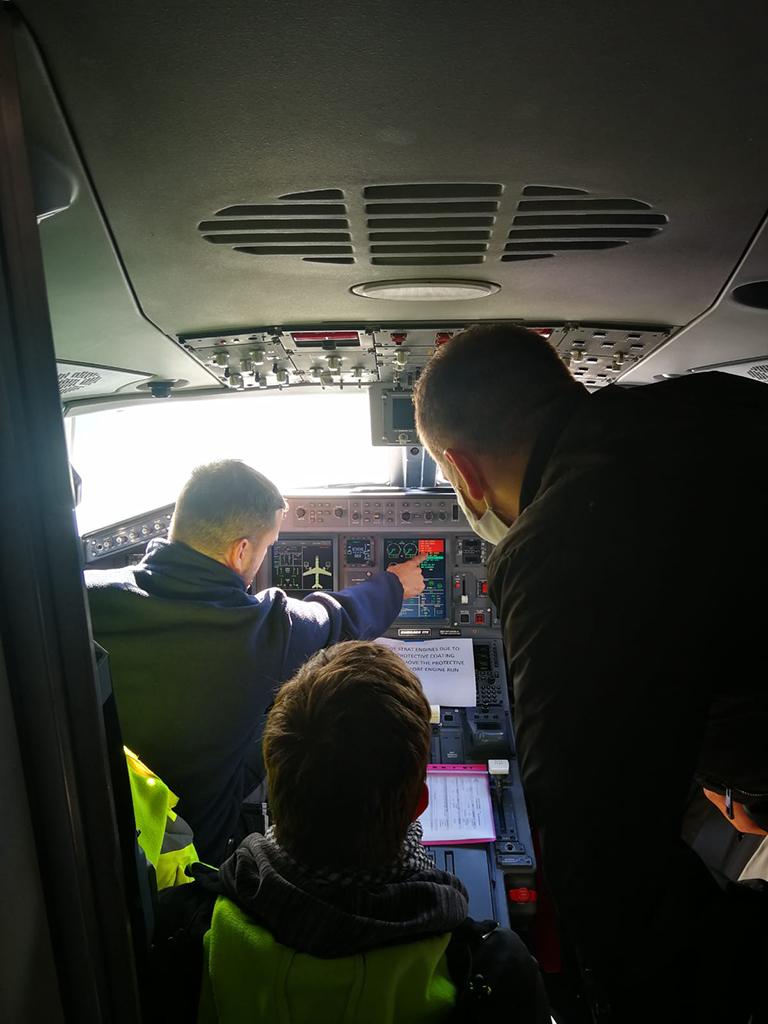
(332, 540)
(455, 601)
(369, 532)
(337, 542)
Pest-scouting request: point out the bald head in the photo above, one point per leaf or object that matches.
(489, 390)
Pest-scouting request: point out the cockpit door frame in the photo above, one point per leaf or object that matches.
(48, 671)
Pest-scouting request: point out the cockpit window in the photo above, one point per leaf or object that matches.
(136, 458)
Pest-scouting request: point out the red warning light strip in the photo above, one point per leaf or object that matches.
(299, 336)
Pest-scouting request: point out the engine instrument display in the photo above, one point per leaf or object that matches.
(431, 604)
(303, 567)
(358, 551)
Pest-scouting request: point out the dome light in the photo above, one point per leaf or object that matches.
(426, 290)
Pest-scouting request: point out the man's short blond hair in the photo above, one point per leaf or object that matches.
(223, 502)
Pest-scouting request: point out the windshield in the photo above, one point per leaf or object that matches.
(137, 458)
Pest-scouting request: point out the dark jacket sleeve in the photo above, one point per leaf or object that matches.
(609, 712)
(363, 612)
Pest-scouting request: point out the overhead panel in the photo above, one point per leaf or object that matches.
(345, 355)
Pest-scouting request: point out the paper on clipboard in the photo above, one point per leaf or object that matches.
(460, 808)
(446, 668)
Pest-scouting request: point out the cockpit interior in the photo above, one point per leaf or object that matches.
(241, 231)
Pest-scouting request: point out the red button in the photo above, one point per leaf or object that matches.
(522, 895)
(484, 587)
(479, 618)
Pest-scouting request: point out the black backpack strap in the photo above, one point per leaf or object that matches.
(496, 977)
(176, 958)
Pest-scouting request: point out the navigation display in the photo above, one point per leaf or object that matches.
(432, 603)
(301, 567)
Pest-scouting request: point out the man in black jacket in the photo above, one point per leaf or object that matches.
(196, 659)
(629, 578)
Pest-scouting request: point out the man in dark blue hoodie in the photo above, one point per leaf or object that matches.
(196, 659)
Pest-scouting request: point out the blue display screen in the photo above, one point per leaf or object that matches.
(431, 604)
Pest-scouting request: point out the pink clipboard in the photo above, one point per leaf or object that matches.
(460, 811)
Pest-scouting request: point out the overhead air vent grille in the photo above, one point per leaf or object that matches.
(437, 224)
(73, 381)
(82, 380)
(755, 368)
(311, 225)
(430, 225)
(551, 220)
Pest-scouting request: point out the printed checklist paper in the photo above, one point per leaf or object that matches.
(446, 668)
(460, 808)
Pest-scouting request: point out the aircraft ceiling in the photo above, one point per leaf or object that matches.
(240, 166)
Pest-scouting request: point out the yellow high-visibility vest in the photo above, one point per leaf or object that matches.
(165, 838)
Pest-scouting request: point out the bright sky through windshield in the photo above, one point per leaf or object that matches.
(137, 458)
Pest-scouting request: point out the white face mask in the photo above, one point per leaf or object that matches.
(490, 527)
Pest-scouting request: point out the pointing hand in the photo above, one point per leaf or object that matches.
(410, 576)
